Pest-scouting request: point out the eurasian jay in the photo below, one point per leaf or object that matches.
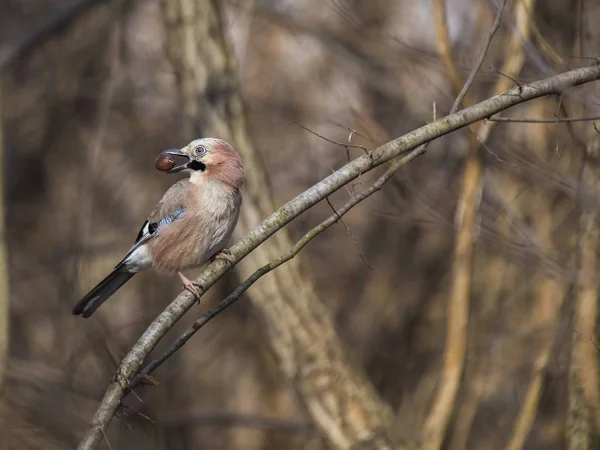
(190, 225)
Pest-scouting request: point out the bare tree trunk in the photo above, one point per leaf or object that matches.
(336, 393)
(583, 394)
(4, 298)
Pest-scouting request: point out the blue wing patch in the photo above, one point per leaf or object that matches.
(169, 219)
(152, 227)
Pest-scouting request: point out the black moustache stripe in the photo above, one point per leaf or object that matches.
(197, 165)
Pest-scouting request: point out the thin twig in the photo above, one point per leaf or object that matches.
(353, 131)
(496, 156)
(106, 439)
(514, 80)
(480, 59)
(341, 144)
(544, 121)
(350, 234)
(557, 115)
(135, 411)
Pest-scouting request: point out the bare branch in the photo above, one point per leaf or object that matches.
(354, 241)
(341, 144)
(482, 54)
(544, 121)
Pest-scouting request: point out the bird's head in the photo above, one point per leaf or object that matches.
(209, 159)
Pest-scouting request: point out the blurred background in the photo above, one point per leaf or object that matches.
(93, 90)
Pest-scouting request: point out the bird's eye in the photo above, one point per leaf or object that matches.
(200, 150)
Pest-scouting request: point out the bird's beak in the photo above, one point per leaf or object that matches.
(179, 168)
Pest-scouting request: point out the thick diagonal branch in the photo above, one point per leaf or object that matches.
(406, 144)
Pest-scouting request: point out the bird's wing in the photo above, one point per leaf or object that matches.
(168, 209)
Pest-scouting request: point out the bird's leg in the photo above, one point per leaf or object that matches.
(224, 255)
(193, 286)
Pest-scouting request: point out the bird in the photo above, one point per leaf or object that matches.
(189, 226)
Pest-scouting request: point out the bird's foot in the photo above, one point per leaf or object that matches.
(193, 286)
(224, 255)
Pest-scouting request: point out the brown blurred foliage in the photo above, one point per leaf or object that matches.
(88, 100)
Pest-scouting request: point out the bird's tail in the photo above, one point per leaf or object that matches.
(102, 292)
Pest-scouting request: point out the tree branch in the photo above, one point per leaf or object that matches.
(545, 121)
(480, 59)
(405, 145)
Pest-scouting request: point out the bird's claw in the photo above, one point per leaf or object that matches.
(224, 255)
(195, 288)
(192, 286)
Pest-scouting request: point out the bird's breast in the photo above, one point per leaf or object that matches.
(197, 235)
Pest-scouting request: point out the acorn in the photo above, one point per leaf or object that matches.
(164, 162)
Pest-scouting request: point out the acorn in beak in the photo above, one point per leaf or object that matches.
(167, 162)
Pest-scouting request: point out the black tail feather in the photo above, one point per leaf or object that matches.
(102, 292)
